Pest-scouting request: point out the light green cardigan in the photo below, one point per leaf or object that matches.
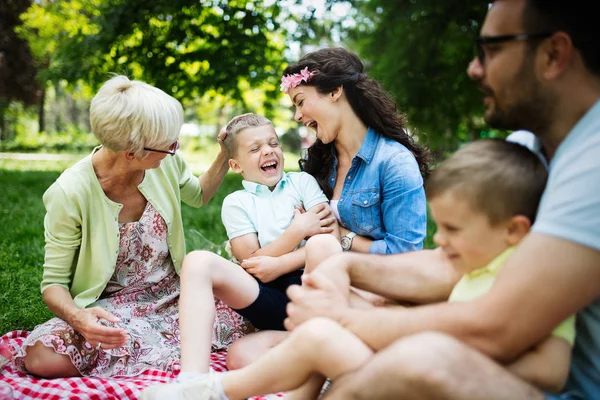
(82, 224)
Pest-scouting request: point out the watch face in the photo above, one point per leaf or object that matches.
(345, 242)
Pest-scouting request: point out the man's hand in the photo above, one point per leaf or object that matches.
(317, 220)
(263, 268)
(86, 322)
(318, 297)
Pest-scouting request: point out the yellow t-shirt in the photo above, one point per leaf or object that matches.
(476, 283)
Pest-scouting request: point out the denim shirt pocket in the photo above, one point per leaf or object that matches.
(366, 211)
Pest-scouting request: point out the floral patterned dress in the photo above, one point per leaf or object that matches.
(143, 293)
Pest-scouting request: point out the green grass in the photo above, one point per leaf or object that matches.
(22, 184)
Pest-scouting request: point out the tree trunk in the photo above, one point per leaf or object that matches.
(73, 110)
(41, 113)
(3, 108)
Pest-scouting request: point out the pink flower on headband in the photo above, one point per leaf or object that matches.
(293, 80)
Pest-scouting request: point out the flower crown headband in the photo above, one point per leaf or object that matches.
(293, 80)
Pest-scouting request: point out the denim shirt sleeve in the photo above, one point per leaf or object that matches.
(403, 206)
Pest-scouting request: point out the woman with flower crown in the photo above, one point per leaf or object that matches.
(364, 160)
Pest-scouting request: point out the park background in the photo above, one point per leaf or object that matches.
(220, 58)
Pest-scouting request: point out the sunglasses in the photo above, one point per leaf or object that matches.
(483, 40)
(172, 149)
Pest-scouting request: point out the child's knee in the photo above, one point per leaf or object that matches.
(198, 264)
(321, 242)
(317, 332)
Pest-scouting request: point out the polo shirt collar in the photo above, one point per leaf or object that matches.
(493, 267)
(254, 187)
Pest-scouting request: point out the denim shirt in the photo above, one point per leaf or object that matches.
(383, 196)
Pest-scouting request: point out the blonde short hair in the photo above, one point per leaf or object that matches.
(239, 124)
(128, 115)
(499, 178)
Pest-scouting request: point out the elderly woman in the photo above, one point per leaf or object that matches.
(115, 242)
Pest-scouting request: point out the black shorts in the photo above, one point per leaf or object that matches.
(268, 310)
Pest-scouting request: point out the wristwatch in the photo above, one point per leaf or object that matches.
(346, 241)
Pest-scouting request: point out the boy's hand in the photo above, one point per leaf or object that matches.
(263, 268)
(315, 221)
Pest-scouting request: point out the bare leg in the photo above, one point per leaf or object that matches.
(309, 390)
(45, 362)
(319, 345)
(431, 366)
(318, 249)
(251, 347)
(362, 299)
(202, 272)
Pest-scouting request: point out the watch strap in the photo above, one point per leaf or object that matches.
(347, 239)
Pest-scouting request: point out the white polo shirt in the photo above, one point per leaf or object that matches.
(256, 209)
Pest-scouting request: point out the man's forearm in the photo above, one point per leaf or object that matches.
(455, 319)
(417, 277)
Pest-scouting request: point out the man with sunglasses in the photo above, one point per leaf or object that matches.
(539, 68)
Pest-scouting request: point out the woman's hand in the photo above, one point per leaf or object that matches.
(263, 268)
(315, 221)
(87, 322)
(223, 134)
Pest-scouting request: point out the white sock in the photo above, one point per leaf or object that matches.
(219, 384)
(185, 376)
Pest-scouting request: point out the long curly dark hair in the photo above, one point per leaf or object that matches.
(371, 103)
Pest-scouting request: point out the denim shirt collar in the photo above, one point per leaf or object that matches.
(366, 151)
(369, 144)
(256, 188)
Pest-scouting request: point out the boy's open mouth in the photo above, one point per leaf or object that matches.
(269, 166)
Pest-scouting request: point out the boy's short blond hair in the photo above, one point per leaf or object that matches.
(128, 115)
(238, 125)
(499, 178)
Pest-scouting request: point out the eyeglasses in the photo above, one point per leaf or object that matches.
(172, 148)
(483, 40)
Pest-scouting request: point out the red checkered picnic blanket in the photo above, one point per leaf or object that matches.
(17, 385)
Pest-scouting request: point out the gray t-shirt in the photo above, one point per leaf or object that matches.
(570, 209)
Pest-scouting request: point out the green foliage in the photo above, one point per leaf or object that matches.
(17, 68)
(185, 47)
(72, 140)
(419, 50)
(291, 141)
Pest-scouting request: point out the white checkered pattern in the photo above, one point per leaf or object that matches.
(26, 387)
